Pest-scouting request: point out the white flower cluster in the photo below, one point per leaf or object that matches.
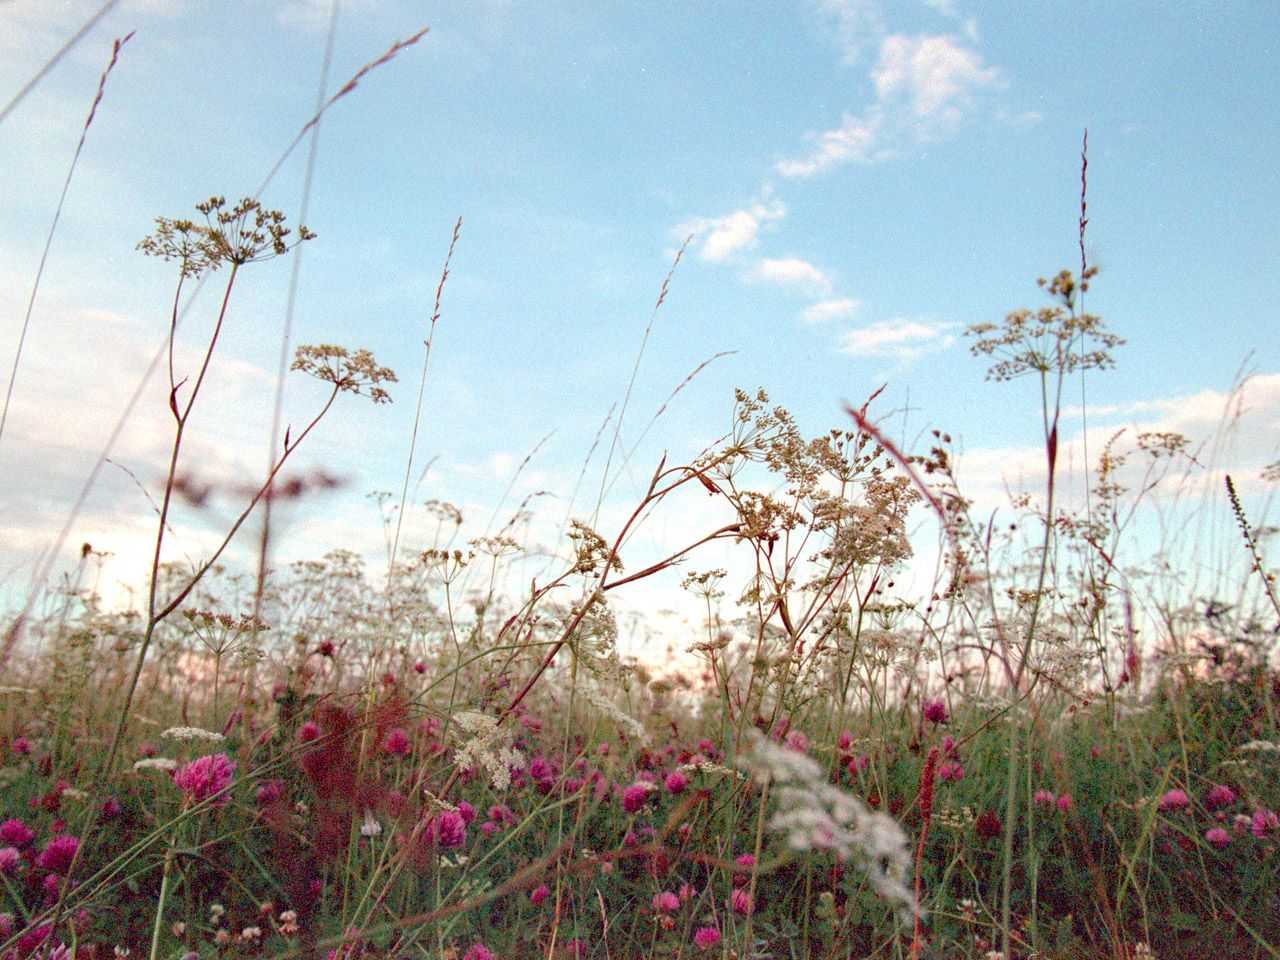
(192, 733)
(815, 814)
(166, 764)
(482, 743)
(602, 701)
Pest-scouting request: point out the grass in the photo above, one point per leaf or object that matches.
(427, 762)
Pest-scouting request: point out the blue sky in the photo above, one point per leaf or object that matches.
(861, 181)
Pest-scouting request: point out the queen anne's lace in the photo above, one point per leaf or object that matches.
(814, 814)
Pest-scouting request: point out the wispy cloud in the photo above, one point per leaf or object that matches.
(792, 272)
(935, 77)
(718, 239)
(897, 339)
(925, 85)
(827, 310)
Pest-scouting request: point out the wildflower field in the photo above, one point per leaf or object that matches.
(447, 756)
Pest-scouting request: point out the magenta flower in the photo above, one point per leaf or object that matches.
(1173, 800)
(478, 951)
(20, 745)
(1064, 802)
(205, 777)
(1218, 837)
(935, 711)
(540, 894)
(664, 901)
(950, 770)
(1045, 797)
(308, 731)
(9, 860)
(449, 829)
(740, 901)
(797, 741)
(1219, 796)
(58, 853)
(397, 743)
(635, 797)
(1264, 822)
(675, 782)
(16, 832)
(706, 937)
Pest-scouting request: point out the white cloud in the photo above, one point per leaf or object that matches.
(830, 310)
(857, 138)
(934, 75)
(720, 238)
(899, 339)
(857, 25)
(792, 272)
(924, 85)
(945, 7)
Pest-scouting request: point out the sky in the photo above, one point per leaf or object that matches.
(858, 182)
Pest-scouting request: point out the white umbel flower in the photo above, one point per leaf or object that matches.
(482, 743)
(814, 814)
(186, 734)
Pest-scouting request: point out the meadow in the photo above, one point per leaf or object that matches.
(440, 758)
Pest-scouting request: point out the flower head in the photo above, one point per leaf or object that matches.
(665, 901)
(16, 832)
(1173, 800)
(1219, 796)
(205, 777)
(706, 937)
(58, 853)
(1218, 837)
(398, 743)
(449, 829)
(935, 711)
(635, 797)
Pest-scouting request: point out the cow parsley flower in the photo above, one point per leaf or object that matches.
(814, 814)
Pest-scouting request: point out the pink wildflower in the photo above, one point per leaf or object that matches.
(9, 860)
(664, 901)
(935, 711)
(540, 894)
(706, 937)
(1044, 797)
(1264, 822)
(308, 731)
(634, 797)
(398, 743)
(1064, 802)
(58, 853)
(206, 777)
(16, 832)
(478, 951)
(846, 740)
(797, 741)
(1173, 800)
(1219, 796)
(950, 770)
(1218, 837)
(449, 829)
(20, 745)
(740, 901)
(675, 782)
